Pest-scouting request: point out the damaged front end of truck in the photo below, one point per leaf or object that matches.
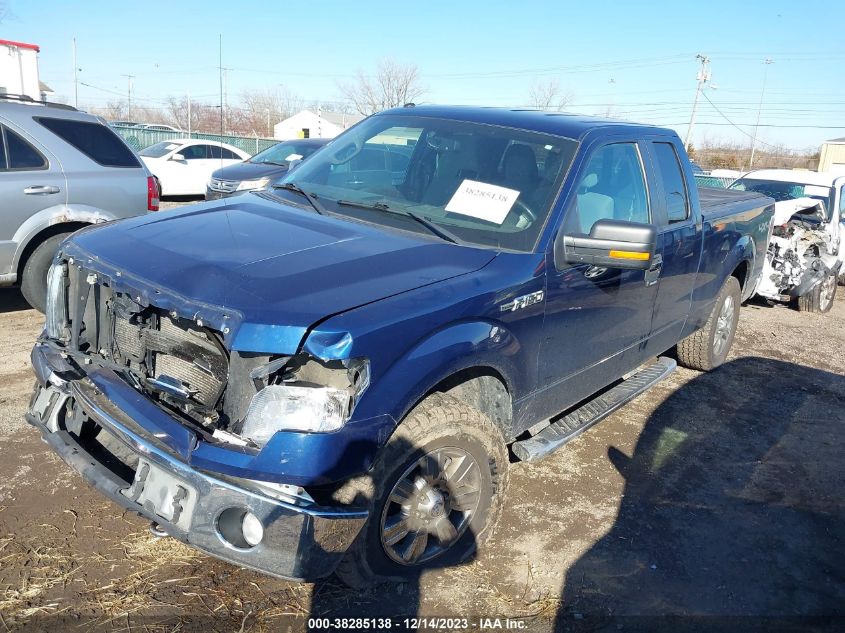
(144, 394)
(801, 258)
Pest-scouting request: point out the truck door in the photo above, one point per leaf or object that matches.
(597, 319)
(679, 239)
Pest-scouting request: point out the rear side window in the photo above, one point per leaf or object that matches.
(677, 206)
(196, 152)
(19, 154)
(215, 151)
(97, 142)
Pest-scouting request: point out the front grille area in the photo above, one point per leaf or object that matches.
(224, 186)
(176, 362)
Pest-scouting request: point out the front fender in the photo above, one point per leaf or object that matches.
(51, 216)
(443, 353)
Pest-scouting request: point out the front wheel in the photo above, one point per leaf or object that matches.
(434, 494)
(820, 298)
(708, 348)
(34, 274)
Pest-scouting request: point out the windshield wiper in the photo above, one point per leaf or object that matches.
(292, 186)
(437, 230)
(270, 162)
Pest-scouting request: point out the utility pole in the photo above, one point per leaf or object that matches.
(75, 78)
(220, 77)
(703, 77)
(767, 62)
(129, 79)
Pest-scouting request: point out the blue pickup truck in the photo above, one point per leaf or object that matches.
(334, 373)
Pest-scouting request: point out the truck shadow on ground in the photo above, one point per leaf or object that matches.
(11, 300)
(733, 515)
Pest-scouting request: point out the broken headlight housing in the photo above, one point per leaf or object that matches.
(56, 307)
(307, 395)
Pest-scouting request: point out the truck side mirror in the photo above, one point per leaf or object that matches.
(610, 244)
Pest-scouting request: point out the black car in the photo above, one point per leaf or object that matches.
(262, 169)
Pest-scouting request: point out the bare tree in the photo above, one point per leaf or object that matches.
(393, 84)
(260, 110)
(547, 95)
(114, 110)
(203, 117)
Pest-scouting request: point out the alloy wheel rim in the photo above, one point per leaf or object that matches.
(724, 325)
(430, 506)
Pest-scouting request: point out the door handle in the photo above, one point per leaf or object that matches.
(653, 273)
(40, 190)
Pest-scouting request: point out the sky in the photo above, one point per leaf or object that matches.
(635, 60)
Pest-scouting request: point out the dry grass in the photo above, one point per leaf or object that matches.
(43, 567)
(157, 581)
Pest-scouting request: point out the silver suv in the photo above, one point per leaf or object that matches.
(60, 170)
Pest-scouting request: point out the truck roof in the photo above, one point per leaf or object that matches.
(573, 126)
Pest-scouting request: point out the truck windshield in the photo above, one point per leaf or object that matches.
(484, 185)
(781, 191)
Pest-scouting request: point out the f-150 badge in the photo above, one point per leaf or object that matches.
(522, 302)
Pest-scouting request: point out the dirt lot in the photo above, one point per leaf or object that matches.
(712, 495)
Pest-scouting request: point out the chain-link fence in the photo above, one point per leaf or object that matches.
(716, 182)
(138, 138)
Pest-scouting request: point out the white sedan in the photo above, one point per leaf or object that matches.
(183, 166)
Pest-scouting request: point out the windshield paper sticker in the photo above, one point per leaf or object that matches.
(483, 201)
(815, 190)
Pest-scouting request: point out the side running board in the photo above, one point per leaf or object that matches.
(576, 422)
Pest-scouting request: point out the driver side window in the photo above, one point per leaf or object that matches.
(612, 187)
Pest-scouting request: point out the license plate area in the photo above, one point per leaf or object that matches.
(163, 494)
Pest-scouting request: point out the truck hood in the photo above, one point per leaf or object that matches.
(250, 171)
(271, 263)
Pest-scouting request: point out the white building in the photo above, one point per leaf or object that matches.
(307, 124)
(19, 69)
(832, 156)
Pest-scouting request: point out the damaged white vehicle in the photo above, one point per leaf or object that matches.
(807, 247)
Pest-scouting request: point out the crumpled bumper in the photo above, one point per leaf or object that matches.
(301, 540)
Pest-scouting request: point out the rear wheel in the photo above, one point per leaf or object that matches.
(34, 275)
(820, 298)
(708, 348)
(434, 494)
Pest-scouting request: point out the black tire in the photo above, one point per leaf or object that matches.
(700, 349)
(819, 299)
(438, 425)
(34, 275)
(841, 280)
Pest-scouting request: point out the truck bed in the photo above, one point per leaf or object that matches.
(716, 203)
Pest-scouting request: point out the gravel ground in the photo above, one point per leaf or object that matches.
(717, 495)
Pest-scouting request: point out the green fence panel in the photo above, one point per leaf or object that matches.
(716, 182)
(138, 139)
